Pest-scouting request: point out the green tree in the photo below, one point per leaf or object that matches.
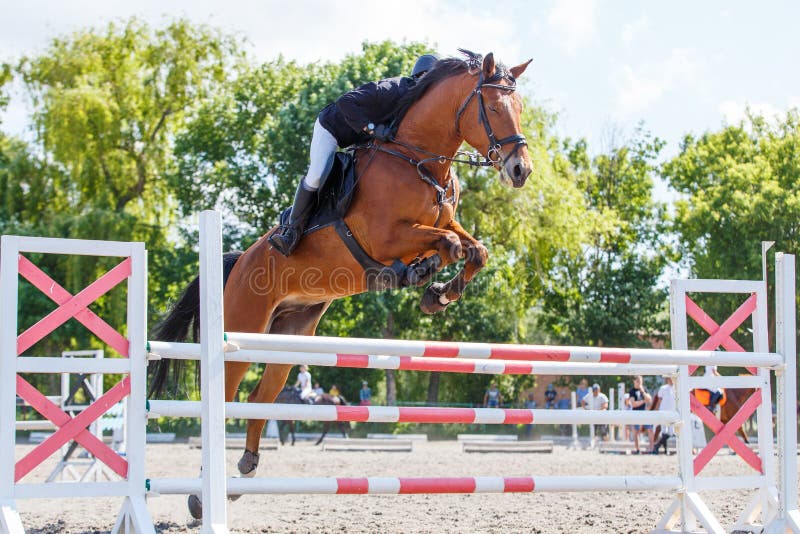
(609, 295)
(739, 185)
(106, 106)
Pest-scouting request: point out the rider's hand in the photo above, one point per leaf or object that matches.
(382, 132)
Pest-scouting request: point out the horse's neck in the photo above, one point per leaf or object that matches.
(430, 124)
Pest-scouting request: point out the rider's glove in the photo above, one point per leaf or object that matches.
(382, 133)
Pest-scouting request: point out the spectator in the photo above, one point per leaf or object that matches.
(596, 400)
(581, 391)
(365, 394)
(336, 395)
(638, 399)
(550, 395)
(318, 389)
(493, 398)
(530, 404)
(304, 383)
(564, 401)
(665, 401)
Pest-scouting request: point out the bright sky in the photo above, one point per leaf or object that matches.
(678, 66)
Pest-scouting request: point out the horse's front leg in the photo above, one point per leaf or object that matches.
(408, 241)
(438, 295)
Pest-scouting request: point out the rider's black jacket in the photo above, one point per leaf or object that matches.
(373, 102)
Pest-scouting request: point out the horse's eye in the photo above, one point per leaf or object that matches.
(493, 109)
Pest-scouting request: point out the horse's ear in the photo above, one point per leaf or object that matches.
(488, 65)
(517, 71)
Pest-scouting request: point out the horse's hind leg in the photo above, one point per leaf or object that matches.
(288, 320)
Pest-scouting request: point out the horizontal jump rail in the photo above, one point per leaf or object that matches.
(406, 486)
(392, 414)
(483, 351)
(191, 351)
(44, 364)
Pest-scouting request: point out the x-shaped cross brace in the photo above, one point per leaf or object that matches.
(72, 428)
(73, 306)
(721, 335)
(726, 433)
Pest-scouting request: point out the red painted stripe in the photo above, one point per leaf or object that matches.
(518, 417)
(449, 366)
(518, 484)
(441, 350)
(437, 485)
(352, 413)
(615, 356)
(543, 354)
(437, 415)
(352, 360)
(352, 486)
(518, 369)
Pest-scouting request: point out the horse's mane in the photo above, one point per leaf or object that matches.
(442, 69)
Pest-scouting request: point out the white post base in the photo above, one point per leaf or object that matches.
(134, 518)
(789, 524)
(685, 512)
(10, 521)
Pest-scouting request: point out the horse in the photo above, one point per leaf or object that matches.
(403, 210)
(291, 395)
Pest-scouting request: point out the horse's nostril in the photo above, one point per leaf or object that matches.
(517, 170)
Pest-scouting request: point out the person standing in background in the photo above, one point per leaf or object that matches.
(365, 394)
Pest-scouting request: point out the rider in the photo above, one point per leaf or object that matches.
(715, 394)
(304, 383)
(362, 112)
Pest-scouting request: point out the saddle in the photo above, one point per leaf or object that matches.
(333, 201)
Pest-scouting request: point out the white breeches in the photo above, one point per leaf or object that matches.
(323, 146)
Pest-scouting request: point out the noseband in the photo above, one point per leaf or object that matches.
(494, 153)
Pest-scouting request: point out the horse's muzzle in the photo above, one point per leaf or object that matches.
(518, 168)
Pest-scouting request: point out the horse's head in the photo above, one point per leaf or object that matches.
(489, 118)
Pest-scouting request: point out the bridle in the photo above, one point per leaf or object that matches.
(495, 145)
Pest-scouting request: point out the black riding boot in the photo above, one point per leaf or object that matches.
(287, 236)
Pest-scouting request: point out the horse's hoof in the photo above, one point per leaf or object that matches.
(421, 271)
(195, 506)
(432, 299)
(248, 463)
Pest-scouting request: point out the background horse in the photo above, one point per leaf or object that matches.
(403, 210)
(291, 395)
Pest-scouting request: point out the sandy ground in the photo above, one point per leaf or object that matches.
(538, 512)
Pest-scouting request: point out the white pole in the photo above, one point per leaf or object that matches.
(611, 428)
(135, 508)
(9, 518)
(212, 371)
(574, 402)
(785, 325)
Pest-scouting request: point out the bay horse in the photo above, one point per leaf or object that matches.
(291, 395)
(403, 210)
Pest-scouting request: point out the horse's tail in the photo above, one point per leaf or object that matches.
(182, 320)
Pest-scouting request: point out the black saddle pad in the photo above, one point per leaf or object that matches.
(335, 194)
